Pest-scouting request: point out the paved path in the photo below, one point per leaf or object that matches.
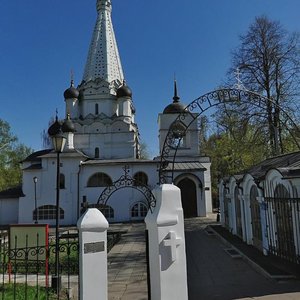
(127, 270)
(212, 273)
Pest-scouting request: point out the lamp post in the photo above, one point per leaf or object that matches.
(58, 140)
(35, 180)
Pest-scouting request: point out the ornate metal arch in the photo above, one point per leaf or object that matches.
(126, 181)
(179, 127)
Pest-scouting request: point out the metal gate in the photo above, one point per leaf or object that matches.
(283, 220)
(255, 218)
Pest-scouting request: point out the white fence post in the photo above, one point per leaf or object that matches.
(92, 228)
(167, 256)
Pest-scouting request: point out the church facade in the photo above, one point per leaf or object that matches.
(103, 143)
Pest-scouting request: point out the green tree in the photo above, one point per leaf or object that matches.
(236, 145)
(268, 58)
(11, 153)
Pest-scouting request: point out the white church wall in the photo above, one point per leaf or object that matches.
(119, 126)
(97, 127)
(246, 185)
(121, 201)
(221, 194)
(105, 106)
(9, 209)
(207, 187)
(111, 145)
(46, 190)
(190, 141)
(81, 141)
(27, 203)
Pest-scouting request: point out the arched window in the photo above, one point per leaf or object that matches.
(99, 180)
(140, 178)
(96, 109)
(47, 212)
(106, 210)
(97, 152)
(62, 181)
(139, 210)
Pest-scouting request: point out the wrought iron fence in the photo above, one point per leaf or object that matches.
(26, 271)
(283, 227)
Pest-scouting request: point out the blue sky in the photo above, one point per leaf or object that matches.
(41, 41)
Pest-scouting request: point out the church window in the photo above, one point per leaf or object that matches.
(62, 181)
(47, 212)
(99, 180)
(96, 108)
(139, 210)
(140, 178)
(97, 153)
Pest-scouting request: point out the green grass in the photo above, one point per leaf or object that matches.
(22, 292)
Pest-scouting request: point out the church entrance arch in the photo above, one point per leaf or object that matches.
(178, 129)
(188, 197)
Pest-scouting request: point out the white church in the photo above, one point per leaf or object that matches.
(102, 142)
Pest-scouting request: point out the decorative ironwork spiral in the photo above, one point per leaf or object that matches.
(126, 181)
(199, 106)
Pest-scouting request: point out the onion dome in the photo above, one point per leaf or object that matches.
(71, 92)
(124, 91)
(55, 128)
(68, 125)
(176, 107)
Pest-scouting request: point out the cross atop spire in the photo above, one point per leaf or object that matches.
(103, 5)
(239, 84)
(175, 98)
(103, 61)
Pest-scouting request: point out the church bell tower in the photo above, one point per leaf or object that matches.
(101, 107)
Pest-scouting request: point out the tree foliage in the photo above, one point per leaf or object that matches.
(268, 58)
(234, 147)
(11, 153)
(144, 151)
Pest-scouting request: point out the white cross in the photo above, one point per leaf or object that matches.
(173, 241)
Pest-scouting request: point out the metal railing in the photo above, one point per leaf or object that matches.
(283, 227)
(26, 271)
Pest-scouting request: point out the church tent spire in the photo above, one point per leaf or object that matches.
(103, 61)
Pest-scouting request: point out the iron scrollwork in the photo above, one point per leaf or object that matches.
(201, 105)
(126, 181)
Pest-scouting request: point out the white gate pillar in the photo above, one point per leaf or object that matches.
(92, 228)
(167, 257)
